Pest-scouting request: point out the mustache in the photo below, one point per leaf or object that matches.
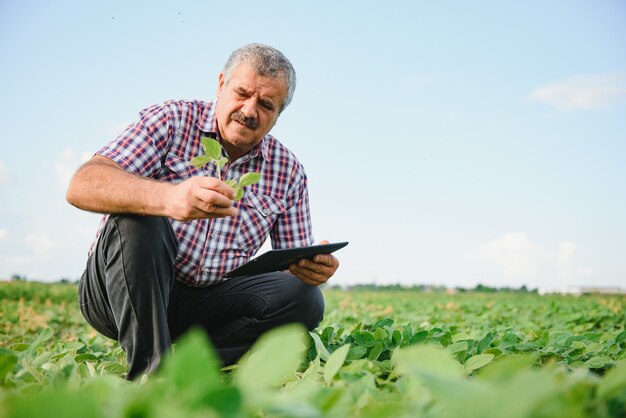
(251, 123)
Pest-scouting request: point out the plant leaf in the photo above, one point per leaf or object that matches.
(221, 162)
(321, 349)
(478, 361)
(212, 148)
(238, 192)
(274, 359)
(199, 161)
(335, 361)
(249, 178)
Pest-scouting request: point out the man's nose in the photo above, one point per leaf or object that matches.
(249, 108)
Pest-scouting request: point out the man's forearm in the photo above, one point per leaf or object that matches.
(103, 186)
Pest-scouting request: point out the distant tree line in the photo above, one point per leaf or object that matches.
(432, 288)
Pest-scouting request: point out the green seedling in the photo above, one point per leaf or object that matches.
(213, 154)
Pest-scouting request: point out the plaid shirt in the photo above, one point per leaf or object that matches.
(160, 144)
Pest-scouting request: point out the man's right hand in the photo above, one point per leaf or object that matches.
(199, 198)
(101, 185)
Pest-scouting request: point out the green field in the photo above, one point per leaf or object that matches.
(384, 353)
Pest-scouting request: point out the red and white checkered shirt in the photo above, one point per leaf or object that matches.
(160, 144)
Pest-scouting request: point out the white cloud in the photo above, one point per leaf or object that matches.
(4, 173)
(41, 243)
(68, 162)
(566, 262)
(583, 92)
(3, 233)
(516, 256)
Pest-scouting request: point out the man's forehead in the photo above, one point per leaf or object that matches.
(247, 77)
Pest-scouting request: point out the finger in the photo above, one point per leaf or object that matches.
(210, 197)
(217, 185)
(213, 210)
(314, 266)
(308, 274)
(326, 259)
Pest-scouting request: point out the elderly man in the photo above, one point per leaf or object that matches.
(171, 230)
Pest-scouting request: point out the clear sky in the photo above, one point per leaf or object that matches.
(451, 143)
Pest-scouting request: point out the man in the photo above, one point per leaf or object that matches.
(173, 230)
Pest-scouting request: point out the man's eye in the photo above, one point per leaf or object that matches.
(267, 106)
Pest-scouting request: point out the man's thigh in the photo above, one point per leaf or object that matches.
(280, 296)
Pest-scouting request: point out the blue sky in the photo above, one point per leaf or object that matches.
(451, 143)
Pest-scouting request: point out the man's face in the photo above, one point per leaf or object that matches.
(247, 108)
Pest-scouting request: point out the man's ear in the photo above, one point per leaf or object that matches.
(220, 84)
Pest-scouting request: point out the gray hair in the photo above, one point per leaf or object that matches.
(267, 62)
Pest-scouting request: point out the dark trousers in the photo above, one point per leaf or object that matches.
(128, 293)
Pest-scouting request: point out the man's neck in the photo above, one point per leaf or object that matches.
(233, 152)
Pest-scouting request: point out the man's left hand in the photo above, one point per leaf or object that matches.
(317, 271)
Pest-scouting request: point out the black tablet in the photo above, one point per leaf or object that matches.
(277, 260)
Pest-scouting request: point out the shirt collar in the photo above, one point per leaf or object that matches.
(208, 124)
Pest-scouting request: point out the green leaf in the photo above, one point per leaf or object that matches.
(320, 348)
(221, 162)
(418, 337)
(426, 361)
(620, 337)
(375, 351)
(478, 361)
(85, 357)
(458, 347)
(212, 148)
(396, 338)
(506, 367)
(335, 361)
(274, 358)
(8, 361)
(356, 352)
(327, 334)
(613, 382)
(383, 322)
(598, 362)
(193, 363)
(55, 403)
(44, 335)
(199, 161)
(238, 193)
(232, 183)
(249, 178)
(484, 343)
(225, 400)
(364, 338)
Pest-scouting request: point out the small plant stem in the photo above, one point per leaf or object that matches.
(219, 170)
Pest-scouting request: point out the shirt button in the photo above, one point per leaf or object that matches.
(213, 235)
(205, 269)
(265, 212)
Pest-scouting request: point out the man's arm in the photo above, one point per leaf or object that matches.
(103, 186)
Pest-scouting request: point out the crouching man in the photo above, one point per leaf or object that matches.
(171, 230)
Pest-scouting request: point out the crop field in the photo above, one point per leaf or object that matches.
(394, 353)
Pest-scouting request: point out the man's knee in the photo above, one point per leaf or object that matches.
(150, 233)
(145, 227)
(315, 307)
(309, 304)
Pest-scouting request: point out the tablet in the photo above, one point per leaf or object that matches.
(277, 260)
